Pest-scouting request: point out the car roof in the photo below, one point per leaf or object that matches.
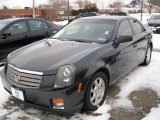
(16, 19)
(118, 12)
(118, 18)
(156, 15)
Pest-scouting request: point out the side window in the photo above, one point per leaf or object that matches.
(17, 28)
(137, 27)
(124, 28)
(45, 25)
(36, 25)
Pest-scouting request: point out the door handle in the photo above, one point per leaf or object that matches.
(146, 37)
(47, 33)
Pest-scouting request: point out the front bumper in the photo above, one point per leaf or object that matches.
(154, 29)
(73, 101)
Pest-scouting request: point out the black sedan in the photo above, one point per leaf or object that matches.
(17, 32)
(3, 17)
(118, 13)
(74, 69)
(154, 23)
(87, 14)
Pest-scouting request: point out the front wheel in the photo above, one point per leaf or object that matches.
(96, 92)
(148, 56)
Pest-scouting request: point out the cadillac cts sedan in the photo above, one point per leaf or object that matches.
(73, 70)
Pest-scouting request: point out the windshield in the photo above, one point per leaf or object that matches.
(155, 17)
(98, 31)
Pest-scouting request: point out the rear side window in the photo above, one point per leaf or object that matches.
(137, 27)
(36, 25)
(17, 28)
(45, 25)
(124, 29)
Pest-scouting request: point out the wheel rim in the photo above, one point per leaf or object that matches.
(97, 91)
(148, 56)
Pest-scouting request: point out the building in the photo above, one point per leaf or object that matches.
(50, 14)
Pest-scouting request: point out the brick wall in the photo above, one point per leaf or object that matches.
(44, 13)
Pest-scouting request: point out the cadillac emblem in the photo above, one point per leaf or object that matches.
(17, 78)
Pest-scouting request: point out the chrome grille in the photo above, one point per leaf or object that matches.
(21, 79)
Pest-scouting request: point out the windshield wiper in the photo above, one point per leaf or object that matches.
(75, 40)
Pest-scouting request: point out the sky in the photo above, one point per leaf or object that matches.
(28, 3)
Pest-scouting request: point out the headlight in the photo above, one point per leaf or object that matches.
(65, 76)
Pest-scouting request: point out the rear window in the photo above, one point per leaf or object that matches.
(137, 27)
(36, 25)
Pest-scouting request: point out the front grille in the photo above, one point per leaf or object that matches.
(21, 79)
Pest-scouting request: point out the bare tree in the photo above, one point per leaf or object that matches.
(5, 7)
(58, 4)
(86, 2)
(117, 5)
(149, 6)
(80, 3)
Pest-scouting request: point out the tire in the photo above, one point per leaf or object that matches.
(148, 56)
(101, 81)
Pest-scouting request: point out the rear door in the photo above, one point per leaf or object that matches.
(126, 56)
(18, 37)
(141, 36)
(38, 29)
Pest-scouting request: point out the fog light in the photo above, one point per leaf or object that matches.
(57, 103)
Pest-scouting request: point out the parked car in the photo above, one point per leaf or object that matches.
(154, 23)
(75, 68)
(2, 17)
(87, 14)
(17, 32)
(118, 13)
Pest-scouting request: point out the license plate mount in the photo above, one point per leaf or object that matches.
(17, 93)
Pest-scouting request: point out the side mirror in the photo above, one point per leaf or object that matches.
(5, 35)
(124, 39)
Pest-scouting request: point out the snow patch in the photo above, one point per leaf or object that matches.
(153, 115)
(3, 94)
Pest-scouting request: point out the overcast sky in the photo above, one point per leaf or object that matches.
(28, 3)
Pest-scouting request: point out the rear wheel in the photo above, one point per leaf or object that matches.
(148, 56)
(96, 92)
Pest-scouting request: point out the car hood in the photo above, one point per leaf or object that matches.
(48, 55)
(156, 21)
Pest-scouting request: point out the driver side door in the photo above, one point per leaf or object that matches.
(126, 52)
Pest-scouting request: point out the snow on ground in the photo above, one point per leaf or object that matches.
(2, 93)
(156, 41)
(144, 18)
(154, 114)
(139, 79)
(65, 22)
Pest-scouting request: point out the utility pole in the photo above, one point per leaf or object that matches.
(34, 14)
(141, 9)
(58, 11)
(68, 10)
